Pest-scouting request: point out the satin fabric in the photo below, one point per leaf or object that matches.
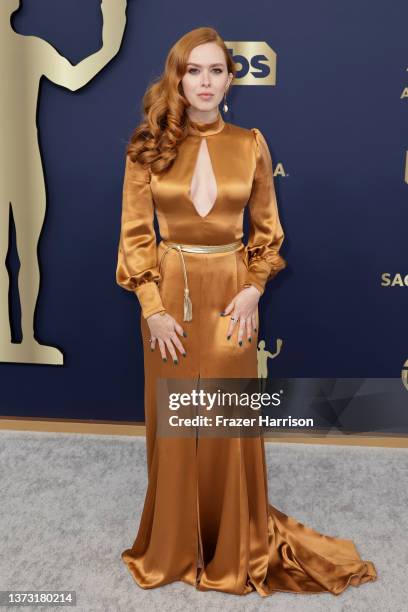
(207, 498)
(242, 166)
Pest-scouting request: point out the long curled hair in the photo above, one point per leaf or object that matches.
(165, 124)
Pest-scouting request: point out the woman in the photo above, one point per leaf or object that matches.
(206, 518)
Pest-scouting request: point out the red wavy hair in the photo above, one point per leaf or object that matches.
(155, 141)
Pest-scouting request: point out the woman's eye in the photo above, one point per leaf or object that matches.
(218, 70)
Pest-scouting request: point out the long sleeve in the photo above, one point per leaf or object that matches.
(137, 268)
(261, 255)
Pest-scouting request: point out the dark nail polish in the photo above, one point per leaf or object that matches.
(183, 354)
(240, 343)
(184, 334)
(151, 348)
(228, 337)
(164, 358)
(249, 339)
(254, 328)
(222, 314)
(175, 361)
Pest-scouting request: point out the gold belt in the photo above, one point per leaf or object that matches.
(195, 248)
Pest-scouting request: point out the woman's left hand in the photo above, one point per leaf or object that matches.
(243, 308)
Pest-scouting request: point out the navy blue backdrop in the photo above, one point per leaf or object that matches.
(336, 122)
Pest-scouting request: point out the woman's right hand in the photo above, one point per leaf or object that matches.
(163, 328)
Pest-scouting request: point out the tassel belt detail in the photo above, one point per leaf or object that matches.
(195, 248)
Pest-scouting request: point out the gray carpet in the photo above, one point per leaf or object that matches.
(72, 503)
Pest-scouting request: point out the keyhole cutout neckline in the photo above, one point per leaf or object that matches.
(200, 129)
(206, 183)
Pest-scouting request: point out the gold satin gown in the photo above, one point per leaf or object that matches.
(206, 519)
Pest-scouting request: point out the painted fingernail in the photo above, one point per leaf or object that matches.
(184, 334)
(222, 314)
(228, 337)
(151, 348)
(240, 343)
(175, 361)
(249, 339)
(164, 358)
(183, 354)
(254, 328)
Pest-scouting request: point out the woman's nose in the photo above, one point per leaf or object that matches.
(205, 79)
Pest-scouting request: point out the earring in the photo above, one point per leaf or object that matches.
(225, 106)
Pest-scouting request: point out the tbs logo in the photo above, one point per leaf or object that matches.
(255, 62)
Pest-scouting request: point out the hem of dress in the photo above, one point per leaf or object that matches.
(369, 578)
(362, 575)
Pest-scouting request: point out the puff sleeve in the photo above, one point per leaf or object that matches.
(261, 255)
(137, 268)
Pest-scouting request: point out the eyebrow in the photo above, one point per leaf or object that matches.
(199, 65)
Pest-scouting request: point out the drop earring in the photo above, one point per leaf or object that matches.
(225, 105)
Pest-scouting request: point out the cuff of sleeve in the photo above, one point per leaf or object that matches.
(149, 298)
(260, 272)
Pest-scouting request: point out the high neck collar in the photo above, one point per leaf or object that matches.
(197, 128)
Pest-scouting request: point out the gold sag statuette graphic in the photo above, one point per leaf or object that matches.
(263, 355)
(255, 62)
(404, 374)
(24, 60)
